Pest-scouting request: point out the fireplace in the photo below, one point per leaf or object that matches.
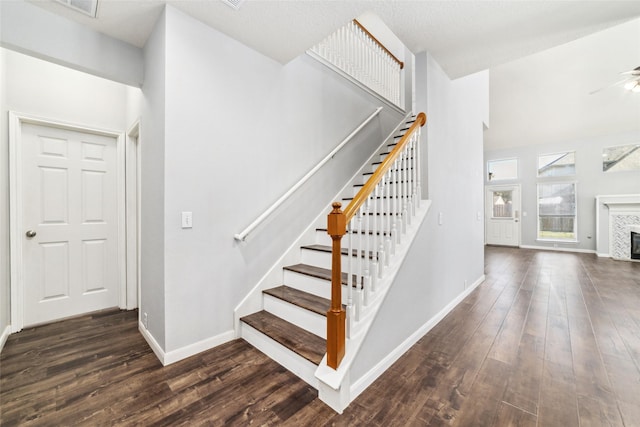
(618, 226)
(635, 245)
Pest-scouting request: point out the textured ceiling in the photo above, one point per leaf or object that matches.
(463, 36)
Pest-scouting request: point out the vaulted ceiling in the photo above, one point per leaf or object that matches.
(545, 57)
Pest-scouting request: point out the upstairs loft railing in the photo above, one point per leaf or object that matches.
(357, 53)
(374, 222)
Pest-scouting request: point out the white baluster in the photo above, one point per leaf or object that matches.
(367, 262)
(409, 183)
(350, 266)
(374, 240)
(418, 167)
(381, 231)
(397, 228)
(360, 278)
(387, 242)
(414, 170)
(403, 186)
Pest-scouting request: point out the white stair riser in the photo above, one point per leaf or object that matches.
(307, 320)
(285, 357)
(323, 259)
(323, 239)
(312, 285)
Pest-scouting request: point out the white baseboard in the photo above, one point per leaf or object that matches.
(157, 350)
(367, 379)
(167, 358)
(603, 255)
(5, 336)
(548, 248)
(198, 347)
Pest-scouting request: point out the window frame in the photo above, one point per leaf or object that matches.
(488, 175)
(575, 165)
(574, 239)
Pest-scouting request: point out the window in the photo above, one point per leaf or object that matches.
(621, 158)
(502, 169)
(502, 204)
(557, 211)
(559, 164)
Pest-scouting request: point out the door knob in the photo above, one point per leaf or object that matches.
(30, 234)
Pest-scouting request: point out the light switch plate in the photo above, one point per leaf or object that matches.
(187, 219)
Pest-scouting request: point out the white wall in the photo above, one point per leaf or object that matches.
(240, 130)
(4, 198)
(40, 88)
(152, 184)
(27, 28)
(591, 182)
(445, 258)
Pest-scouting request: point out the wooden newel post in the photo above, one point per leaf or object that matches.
(336, 228)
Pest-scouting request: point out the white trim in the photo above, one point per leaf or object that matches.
(356, 82)
(132, 163)
(4, 336)
(197, 347)
(367, 379)
(550, 248)
(173, 356)
(244, 233)
(155, 347)
(16, 120)
(603, 255)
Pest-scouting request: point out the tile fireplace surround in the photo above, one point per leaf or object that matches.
(616, 217)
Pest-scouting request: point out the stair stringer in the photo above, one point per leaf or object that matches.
(335, 387)
(253, 301)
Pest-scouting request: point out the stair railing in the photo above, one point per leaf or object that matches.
(355, 51)
(395, 190)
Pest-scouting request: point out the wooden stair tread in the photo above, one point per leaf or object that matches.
(317, 272)
(300, 298)
(296, 339)
(325, 248)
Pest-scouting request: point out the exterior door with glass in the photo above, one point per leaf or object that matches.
(502, 215)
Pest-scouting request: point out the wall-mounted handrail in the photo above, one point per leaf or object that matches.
(395, 180)
(400, 63)
(244, 233)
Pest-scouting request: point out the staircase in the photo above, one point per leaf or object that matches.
(291, 328)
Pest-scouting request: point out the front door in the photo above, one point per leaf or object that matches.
(502, 215)
(70, 222)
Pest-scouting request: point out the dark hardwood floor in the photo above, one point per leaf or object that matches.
(550, 339)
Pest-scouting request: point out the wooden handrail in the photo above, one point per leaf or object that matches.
(337, 222)
(355, 21)
(368, 188)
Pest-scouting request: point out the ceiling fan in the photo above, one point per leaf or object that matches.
(630, 82)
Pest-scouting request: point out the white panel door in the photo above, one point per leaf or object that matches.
(502, 215)
(70, 220)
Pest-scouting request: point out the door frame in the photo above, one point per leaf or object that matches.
(518, 208)
(133, 224)
(16, 120)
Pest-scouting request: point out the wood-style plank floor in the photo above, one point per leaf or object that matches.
(550, 339)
